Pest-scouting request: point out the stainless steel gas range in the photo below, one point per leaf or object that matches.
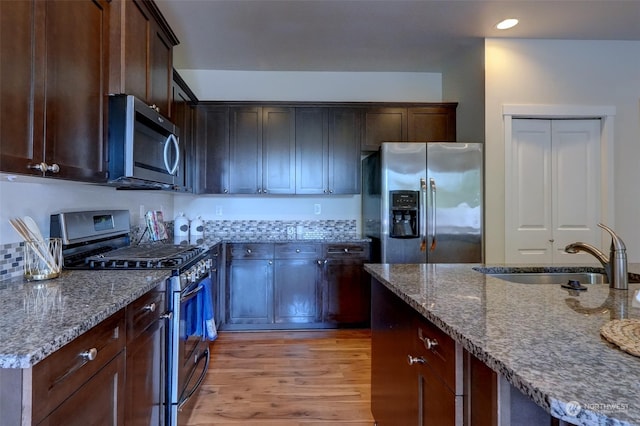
(100, 240)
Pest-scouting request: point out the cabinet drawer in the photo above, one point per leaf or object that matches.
(347, 251)
(298, 251)
(66, 370)
(144, 311)
(250, 251)
(438, 350)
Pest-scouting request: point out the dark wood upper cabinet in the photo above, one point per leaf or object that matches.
(142, 53)
(56, 87)
(212, 150)
(344, 150)
(18, 67)
(328, 150)
(412, 123)
(303, 148)
(386, 124)
(183, 115)
(245, 150)
(278, 151)
(312, 150)
(261, 150)
(432, 124)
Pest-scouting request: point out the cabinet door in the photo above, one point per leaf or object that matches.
(437, 401)
(160, 69)
(481, 388)
(250, 291)
(346, 293)
(142, 53)
(344, 150)
(245, 150)
(18, 51)
(278, 151)
(394, 388)
(145, 384)
(75, 83)
(297, 291)
(99, 398)
(312, 151)
(432, 124)
(145, 387)
(183, 116)
(134, 71)
(387, 124)
(212, 147)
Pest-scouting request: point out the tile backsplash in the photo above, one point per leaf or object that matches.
(11, 261)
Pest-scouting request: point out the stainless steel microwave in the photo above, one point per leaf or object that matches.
(144, 149)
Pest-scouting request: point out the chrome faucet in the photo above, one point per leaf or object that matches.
(615, 266)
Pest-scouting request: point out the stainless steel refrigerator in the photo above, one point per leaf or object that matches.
(423, 202)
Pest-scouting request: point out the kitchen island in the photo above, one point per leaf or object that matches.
(543, 339)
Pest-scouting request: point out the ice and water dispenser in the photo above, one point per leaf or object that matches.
(405, 210)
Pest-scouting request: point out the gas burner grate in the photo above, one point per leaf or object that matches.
(151, 256)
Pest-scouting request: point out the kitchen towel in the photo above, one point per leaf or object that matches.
(199, 314)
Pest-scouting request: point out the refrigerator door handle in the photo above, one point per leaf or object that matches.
(423, 218)
(432, 185)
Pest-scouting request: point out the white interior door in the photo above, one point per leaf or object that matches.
(552, 191)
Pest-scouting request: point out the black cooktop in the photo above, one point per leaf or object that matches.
(145, 256)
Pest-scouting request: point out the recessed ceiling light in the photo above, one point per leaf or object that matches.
(507, 23)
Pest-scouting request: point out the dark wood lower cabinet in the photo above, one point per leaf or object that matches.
(410, 383)
(420, 376)
(346, 291)
(145, 370)
(98, 401)
(296, 285)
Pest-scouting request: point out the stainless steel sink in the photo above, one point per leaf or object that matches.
(552, 277)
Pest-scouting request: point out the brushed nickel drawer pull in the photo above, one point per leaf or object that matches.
(151, 307)
(89, 355)
(85, 357)
(430, 344)
(411, 360)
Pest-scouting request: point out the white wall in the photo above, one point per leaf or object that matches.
(565, 72)
(214, 85)
(41, 197)
(463, 82)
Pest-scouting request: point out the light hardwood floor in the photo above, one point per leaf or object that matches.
(293, 378)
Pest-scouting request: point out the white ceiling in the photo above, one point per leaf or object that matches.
(374, 35)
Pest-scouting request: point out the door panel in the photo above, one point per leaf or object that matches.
(552, 191)
(576, 199)
(529, 215)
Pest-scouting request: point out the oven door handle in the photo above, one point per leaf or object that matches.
(190, 294)
(187, 395)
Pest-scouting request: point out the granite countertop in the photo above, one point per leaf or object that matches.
(37, 318)
(545, 340)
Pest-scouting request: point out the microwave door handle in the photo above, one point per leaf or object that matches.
(171, 140)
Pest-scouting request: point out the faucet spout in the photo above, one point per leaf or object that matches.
(615, 265)
(579, 246)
